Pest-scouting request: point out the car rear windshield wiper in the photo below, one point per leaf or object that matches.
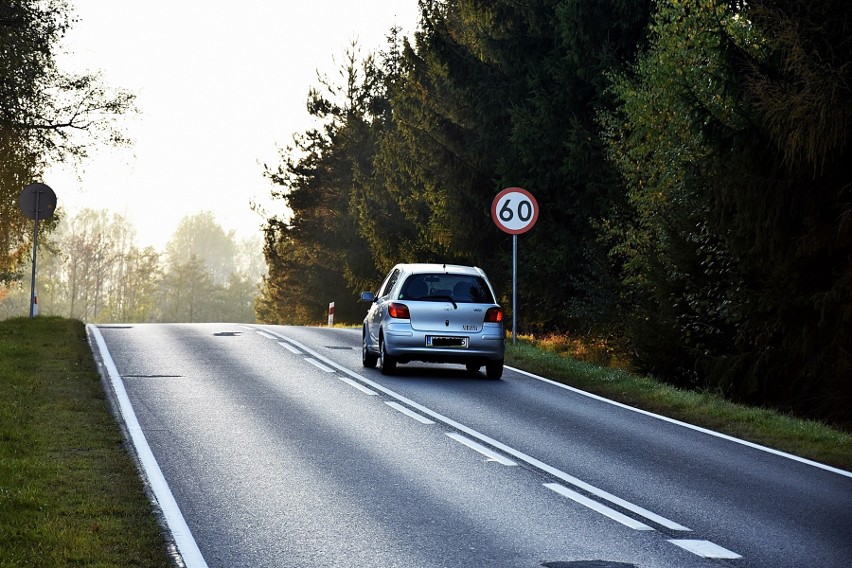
(436, 297)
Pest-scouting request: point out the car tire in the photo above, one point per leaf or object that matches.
(387, 362)
(473, 368)
(368, 358)
(494, 369)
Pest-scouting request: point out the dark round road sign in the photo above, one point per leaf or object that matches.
(38, 201)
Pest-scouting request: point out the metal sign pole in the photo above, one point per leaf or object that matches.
(514, 289)
(35, 255)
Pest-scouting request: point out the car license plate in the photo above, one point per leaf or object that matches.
(444, 341)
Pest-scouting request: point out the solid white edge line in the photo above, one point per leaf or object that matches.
(487, 452)
(559, 474)
(185, 542)
(706, 549)
(410, 413)
(265, 334)
(598, 507)
(686, 424)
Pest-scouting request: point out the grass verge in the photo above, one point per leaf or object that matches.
(70, 495)
(803, 438)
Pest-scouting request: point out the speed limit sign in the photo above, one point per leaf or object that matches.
(514, 210)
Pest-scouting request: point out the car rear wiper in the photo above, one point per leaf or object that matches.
(450, 298)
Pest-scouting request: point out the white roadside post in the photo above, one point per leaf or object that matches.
(514, 211)
(330, 314)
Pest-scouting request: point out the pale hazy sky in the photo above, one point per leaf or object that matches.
(219, 86)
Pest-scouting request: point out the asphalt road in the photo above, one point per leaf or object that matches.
(281, 450)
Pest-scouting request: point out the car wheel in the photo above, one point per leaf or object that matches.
(473, 368)
(494, 369)
(368, 358)
(388, 363)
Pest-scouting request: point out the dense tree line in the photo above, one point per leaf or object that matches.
(46, 115)
(90, 268)
(691, 159)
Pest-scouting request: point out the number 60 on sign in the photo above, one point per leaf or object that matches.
(514, 210)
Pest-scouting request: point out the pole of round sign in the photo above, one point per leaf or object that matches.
(514, 289)
(514, 211)
(35, 249)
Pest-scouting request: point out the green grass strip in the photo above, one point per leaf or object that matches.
(70, 495)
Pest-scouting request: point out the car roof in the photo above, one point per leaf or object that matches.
(420, 268)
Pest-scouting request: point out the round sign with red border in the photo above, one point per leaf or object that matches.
(514, 210)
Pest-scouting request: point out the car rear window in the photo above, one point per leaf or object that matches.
(460, 288)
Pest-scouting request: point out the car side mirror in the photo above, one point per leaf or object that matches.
(368, 297)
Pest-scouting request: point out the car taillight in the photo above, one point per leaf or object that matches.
(494, 315)
(400, 311)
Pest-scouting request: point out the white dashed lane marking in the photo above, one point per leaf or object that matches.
(358, 386)
(289, 347)
(487, 452)
(410, 413)
(706, 549)
(319, 365)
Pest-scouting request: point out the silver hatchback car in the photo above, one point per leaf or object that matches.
(438, 313)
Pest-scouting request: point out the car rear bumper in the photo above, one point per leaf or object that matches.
(405, 344)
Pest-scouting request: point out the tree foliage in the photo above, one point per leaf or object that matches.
(736, 240)
(199, 238)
